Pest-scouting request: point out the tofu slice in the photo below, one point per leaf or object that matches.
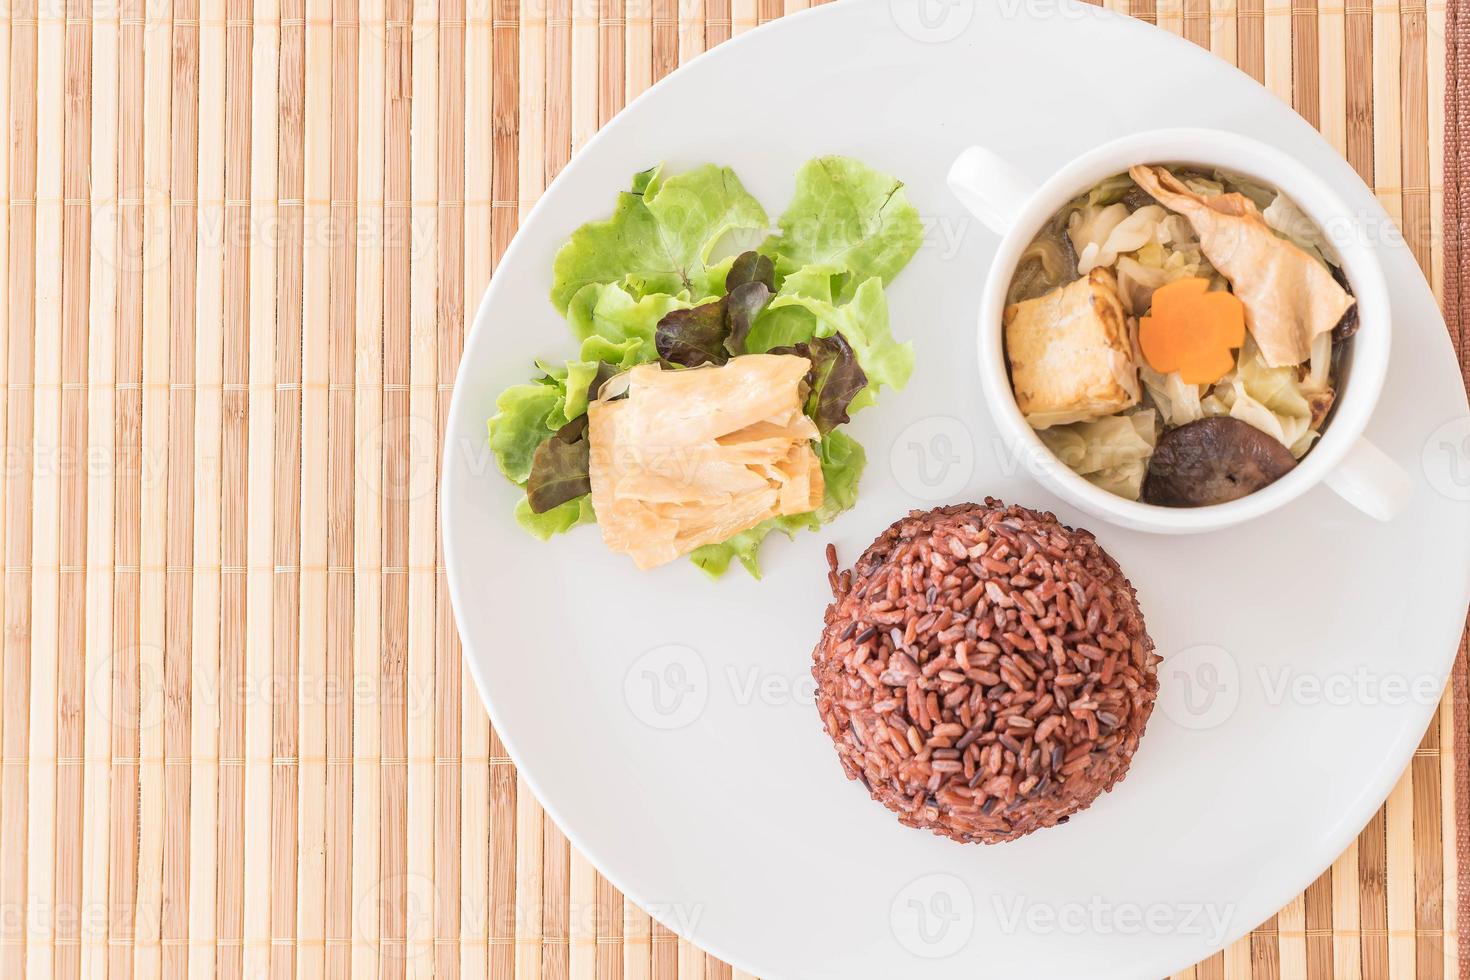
(692, 457)
(1070, 354)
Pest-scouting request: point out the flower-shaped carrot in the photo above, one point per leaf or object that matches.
(1193, 331)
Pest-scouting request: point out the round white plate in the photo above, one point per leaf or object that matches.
(666, 722)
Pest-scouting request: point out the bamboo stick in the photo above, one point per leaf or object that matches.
(236, 411)
(1277, 40)
(448, 691)
(422, 454)
(691, 961)
(1224, 29)
(1415, 135)
(582, 928)
(691, 29)
(71, 672)
(1372, 899)
(529, 905)
(474, 725)
(101, 413)
(1238, 959)
(1358, 35)
(1212, 967)
(1250, 40)
(744, 15)
(610, 70)
(47, 483)
(1387, 123)
(317, 237)
(396, 891)
(178, 548)
(258, 893)
(1435, 61)
(1197, 22)
(665, 953)
(204, 795)
(530, 820)
(11, 941)
(1169, 15)
(340, 685)
(1331, 73)
(1428, 863)
(557, 910)
(637, 943)
(1291, 939)
(127, 437)
(1400, 880)
(1306, 95)
(504, 790)
(367, 523)
(666, 33)
(638, 49)
(558, 89)
(717, 22)
(157, 100)
(584, 73)
(1449, 938)
(609, 930)
(1346, 928)
(285, 803)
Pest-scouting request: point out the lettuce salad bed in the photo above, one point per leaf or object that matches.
(644, 285)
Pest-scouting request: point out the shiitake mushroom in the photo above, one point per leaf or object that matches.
(1348, 325)
(1212, 461)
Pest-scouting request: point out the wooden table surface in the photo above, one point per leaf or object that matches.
(241, 240)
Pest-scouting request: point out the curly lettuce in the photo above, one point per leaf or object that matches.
(847, 215)
(659, 238)
(658, 281)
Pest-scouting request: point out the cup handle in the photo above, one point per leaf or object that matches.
(1371, 482)
(990, 187)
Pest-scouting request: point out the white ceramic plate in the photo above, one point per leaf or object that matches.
(666, 722)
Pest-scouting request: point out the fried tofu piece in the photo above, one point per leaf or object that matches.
(692, 457)
(1070, 353)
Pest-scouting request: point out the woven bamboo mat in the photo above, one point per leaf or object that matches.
(241, 238)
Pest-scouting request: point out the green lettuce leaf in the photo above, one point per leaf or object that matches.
(659, 237)
(844, 213)
(519, 426)
(863, 320)
(842, 460)
(579, 380)
(558, 519)
(609, 312)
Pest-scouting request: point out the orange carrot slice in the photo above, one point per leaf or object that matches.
(1193, 331)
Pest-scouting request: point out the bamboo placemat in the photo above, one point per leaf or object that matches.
(241, 238)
